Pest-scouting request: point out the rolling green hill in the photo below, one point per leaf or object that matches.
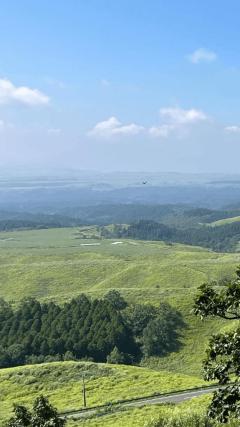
(224, 221)
(57, 264)
(147, 416)
(62, 383)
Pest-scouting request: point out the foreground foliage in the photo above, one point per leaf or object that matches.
(42, 415)
(62, 383)
(223, 355)
(190, 420)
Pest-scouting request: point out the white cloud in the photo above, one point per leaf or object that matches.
(177, 115)
(113, 127)
(176, 120)
(232, 129)
(131, 129)
(161, 131)
(23, 94)
(202, 55)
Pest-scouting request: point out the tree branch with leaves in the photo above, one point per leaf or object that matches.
(43, 414)
(222, 361)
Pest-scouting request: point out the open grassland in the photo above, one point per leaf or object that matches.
(145, 416)
(62, 383)
(224, 221)
(56, 264)
(59, 264)
(185, 414)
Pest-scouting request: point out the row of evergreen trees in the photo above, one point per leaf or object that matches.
(221, 238)
(83, 328)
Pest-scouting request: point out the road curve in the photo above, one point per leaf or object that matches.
(165, 398)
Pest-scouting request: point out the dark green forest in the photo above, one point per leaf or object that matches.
(171, 223)
(223, 238)
(98, 330)
(18, 221)
(104, 214)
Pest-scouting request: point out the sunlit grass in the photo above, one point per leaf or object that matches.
(54, 265)
(62, 383)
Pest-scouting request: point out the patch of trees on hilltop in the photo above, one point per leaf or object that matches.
(179, 216)
(221, 238)
(100, 330)
(31, 222)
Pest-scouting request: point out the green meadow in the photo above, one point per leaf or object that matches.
(58, 264)
(224, 221)
(147, 415)
(61, 382)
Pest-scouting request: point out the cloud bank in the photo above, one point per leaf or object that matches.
(173, 119)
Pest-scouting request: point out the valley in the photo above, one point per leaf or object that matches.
(56, 265)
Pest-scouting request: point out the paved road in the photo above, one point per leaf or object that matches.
(170, 398)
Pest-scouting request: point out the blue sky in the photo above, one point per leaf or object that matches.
(120, 85)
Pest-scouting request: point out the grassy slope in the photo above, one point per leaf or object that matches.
(62, 383)
(54, 264)
(141, 417)
(224, 221)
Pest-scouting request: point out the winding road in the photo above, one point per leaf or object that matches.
(177, 397)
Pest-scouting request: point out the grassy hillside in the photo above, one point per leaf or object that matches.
(145, 416)
(225, 221)
(62, 383)
(57, 264)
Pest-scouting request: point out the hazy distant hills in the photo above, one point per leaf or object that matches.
(49, 199)
(113, 179)
(56, 193)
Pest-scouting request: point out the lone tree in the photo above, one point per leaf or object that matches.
(223, 355)
(42, 415)
(116, 357)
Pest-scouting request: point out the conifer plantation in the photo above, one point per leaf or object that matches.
(85, 329)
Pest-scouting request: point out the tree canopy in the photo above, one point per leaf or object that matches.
(83, 328)
(221, 238)
(223, 355)
(43, 414)
(86, 328)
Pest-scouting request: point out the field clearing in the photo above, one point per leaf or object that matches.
(54, 265)
(62, 383)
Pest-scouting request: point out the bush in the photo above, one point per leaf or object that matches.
(42, 415)
(192, 420)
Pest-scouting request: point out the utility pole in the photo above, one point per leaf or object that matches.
(84, 392)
